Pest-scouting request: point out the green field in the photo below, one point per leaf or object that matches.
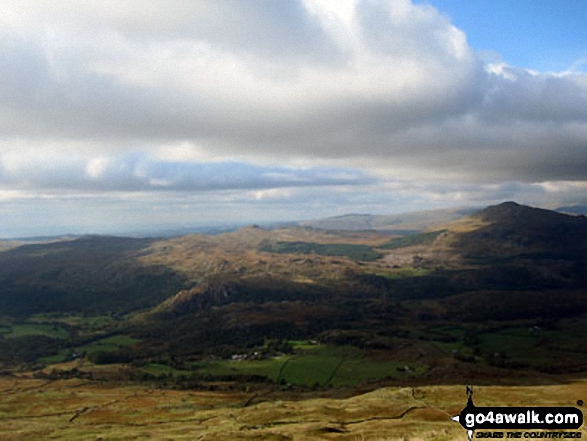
(315, 366)
(158, 369)
(94, 322)
(34, 329)
(352, 251)
(518, 344)
(267, 368)
(108, 344)
(62, 356)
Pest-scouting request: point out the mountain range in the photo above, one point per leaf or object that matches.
(456, 293)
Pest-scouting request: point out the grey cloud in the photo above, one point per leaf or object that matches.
(81, 102)
(38, 103)
(118, 214)
(523, 96)
(479, 150)
(134, 172)
(408, 92)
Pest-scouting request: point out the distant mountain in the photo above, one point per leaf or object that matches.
(573, 209)
(100, 274)
(46, 239)
(400, 223)
(345, 222)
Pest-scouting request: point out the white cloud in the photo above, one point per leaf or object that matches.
(96, 167)
(211, 95)
(273, 193)
(101, 81)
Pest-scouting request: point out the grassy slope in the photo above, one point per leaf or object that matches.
(411, 240)
(74, 410)
(516, 231)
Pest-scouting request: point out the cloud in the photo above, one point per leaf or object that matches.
(521, 95)
(263, 96)
(57, 212)
(260, 27)
(135, 172)
(114, 78)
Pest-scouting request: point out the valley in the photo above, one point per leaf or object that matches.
(278, 319)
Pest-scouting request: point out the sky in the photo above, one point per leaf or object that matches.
(540, 35)
(128, 115)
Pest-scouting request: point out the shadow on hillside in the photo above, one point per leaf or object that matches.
(90, 275)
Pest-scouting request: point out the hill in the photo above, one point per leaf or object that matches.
(400, 223)
(91, 275)
(292, 302)
(516, 231)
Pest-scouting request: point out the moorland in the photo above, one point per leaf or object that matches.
(273, 333)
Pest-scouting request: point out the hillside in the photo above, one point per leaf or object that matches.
(90, 275)
(530, 229)
(284, 301)
(78, 410)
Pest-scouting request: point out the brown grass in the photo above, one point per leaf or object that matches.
(33, 409)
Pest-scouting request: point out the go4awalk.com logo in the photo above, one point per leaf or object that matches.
(520, 422)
